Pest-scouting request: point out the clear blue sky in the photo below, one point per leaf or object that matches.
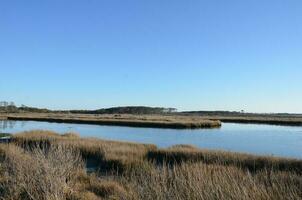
(192, 55)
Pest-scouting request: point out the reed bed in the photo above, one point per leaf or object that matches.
(133, 171)
(184, 153)
(203, 181)
(39, 174)
(102, 154)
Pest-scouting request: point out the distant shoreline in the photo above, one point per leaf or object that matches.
(172, 121)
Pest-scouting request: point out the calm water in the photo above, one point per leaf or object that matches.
(251, 138)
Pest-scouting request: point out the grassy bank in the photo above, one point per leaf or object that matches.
(256, 118)
(154, 121)
(3, 117)
(174, 121)
(34, 160)
(284, 121)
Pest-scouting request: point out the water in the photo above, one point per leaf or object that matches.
(282, 141)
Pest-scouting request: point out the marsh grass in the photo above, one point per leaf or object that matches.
(261, 119)
(137, 171)
(101, 154)
(39, 174)
(155, 121)
(202, 181)
(179, 154)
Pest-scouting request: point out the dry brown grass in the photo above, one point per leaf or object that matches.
(186, 153)
(273, 120)
(101, 187)
(71, 135)
(201, 181)
(179, 172)
(37, 135)
(102, 154)
(40, 174)
(156, 121)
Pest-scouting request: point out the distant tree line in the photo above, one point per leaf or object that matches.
(6, 106)
(6, 103)
(214, 113)
(10, 107)
(128, 110)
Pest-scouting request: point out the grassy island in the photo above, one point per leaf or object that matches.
(152, 121)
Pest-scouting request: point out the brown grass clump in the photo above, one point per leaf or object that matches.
(85, 195)
(39, 174)
(108, 189)
(36, 135)
(180, 154)
(105, 188)
(71, 135)
(101, 190)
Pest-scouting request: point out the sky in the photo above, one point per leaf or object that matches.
(191, 55)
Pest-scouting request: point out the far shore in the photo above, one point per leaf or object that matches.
(173, 121)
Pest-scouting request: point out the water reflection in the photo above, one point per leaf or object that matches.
(250, 138)
(5, 124)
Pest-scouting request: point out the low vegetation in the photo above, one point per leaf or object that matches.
(48, 166)
(155, 121)
(39, 174)
(2, 135)
(283, 119)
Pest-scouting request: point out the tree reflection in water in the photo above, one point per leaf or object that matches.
(6, 124)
